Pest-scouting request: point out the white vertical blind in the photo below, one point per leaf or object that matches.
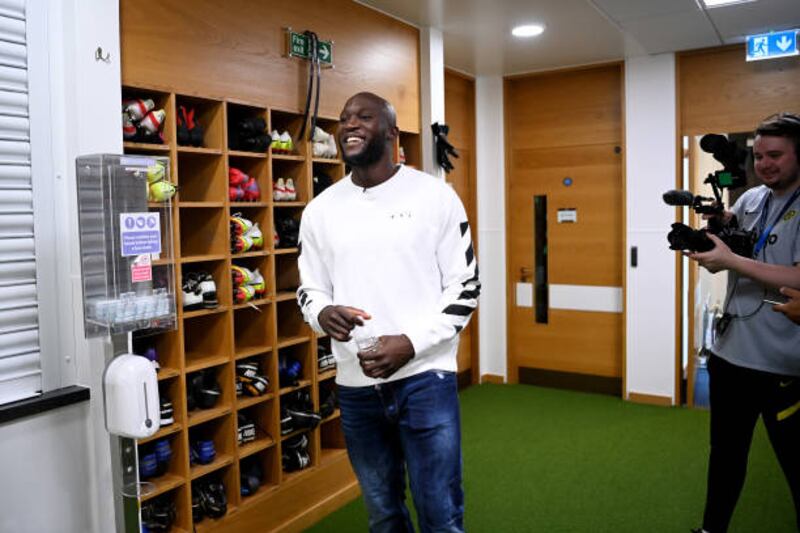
(20, 368)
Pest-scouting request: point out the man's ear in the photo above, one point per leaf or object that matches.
(392, 133)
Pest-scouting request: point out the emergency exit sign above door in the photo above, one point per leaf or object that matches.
(299, 45)
(772, 45)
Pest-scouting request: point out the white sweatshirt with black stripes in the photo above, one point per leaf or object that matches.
(402, 252)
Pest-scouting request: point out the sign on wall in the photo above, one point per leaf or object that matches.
(772, 45)
(299, 45)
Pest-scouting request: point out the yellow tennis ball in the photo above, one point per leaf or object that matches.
(161, 191)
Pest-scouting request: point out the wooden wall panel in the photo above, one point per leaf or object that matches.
(459, 96)
(234, 49)
(459, 104)
(721, 92)
(545, 116)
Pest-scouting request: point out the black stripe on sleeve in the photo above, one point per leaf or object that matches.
(458, 329)
(469, 295)
(458, 310)
(474, 279)
(470, 254)
(464, 228)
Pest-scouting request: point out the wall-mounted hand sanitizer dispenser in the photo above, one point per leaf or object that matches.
(130, 388)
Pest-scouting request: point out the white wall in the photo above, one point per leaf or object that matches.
(650, 137)
(60, 461)
(490, 164)
(45, 474)
(88, 121)
(431, 55)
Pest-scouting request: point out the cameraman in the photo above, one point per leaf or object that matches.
(755, 367)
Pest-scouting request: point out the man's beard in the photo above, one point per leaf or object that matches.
(373, 153)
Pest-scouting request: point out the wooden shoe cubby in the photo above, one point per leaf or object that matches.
(214, 340)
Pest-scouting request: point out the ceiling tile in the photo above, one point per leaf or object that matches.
(736, 21)
(622, 10)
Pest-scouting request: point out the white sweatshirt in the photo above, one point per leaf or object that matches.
(402, 252)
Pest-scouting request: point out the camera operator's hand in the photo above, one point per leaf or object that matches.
(392, 352)
(723, 217)
(718, 258)
(792, 307)
(339, 320)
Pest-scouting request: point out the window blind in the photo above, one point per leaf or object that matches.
(20, 368)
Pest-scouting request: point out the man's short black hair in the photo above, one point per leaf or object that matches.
(782, 125)
(387, 109)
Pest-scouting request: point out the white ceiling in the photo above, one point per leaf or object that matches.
(477, 38)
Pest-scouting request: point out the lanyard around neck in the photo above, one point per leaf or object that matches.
(762, 240)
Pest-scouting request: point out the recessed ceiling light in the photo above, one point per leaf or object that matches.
(721, 3)
(528, 30)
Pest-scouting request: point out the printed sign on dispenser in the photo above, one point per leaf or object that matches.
(141, 269)
(140, 233)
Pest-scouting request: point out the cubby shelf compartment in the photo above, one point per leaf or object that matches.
(324, 376)
(268, 460)
(201, 416)
(206, 338)
(163, 484)
(288, 157)
(186, 259)
(285, 296)
(165, 431)
(252, 329)
(249, 352)
(208, 115)
(221, 461)
(204, 312)
(198, 150)
(204, 231)
(243, 402)
(166, 372)
(190, 204)
(244, 205)
(286, 342)
(253, 303)
(241, 153)
(201, 176)
(303, 383)
(285, 251)
(207, 362)
(336, 414)
(142, 148)
(244, 255)
(261, 443)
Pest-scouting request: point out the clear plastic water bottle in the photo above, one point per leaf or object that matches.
(365, 336)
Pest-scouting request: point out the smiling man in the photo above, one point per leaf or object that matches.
(755, 368)
(386, 253)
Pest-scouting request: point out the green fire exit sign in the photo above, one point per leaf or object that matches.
(299, 45)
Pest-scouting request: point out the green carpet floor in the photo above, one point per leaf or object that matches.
(547, 460)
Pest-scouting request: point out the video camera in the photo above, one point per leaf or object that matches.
(733, 175)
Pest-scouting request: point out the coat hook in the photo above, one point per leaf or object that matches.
(98, 55)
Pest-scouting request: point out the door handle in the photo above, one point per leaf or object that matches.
(525, 273)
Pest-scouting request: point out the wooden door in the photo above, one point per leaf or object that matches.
(459, 99)
(563, 138)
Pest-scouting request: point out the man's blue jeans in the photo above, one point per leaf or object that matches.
(410, 423)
